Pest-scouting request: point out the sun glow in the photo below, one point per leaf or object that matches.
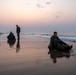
(37, 13)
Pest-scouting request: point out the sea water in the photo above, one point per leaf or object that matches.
(71, 38)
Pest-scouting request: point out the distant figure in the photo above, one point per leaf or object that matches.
(11, 39)
(18, 46)
(58, 44)
(11, 36)
(18, 30)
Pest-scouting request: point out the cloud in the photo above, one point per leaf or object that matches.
(57, 14)
(39, 5)
(48, 2)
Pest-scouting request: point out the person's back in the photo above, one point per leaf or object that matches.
(11, 36)
(18, 29)
(53, 40)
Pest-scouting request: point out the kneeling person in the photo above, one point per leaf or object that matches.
(11, 36)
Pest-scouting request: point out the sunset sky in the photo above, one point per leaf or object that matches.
(43, 16)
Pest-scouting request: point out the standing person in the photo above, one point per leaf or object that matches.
(18, 30)
(57, 43)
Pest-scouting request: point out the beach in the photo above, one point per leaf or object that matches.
(29, 56)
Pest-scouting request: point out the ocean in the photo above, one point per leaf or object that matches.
(71, 38)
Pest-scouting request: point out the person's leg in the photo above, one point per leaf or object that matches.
(18, 36)
(66, 46)
(60, 47)
(61, 42)
(69, 47)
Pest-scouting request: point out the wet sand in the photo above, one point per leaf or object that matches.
(29, 56)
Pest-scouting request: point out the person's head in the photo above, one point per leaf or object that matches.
(10, 32)
(16, 25)
(55, 33)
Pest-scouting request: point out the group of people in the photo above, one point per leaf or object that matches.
(11, 36)
(55, 41)
(12, 39)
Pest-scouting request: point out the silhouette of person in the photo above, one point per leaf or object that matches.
(11, 39)
(58, 44)
(18, 46)
(18, 30)
(11, 36)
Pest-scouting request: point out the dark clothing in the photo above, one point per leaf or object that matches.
(56, 43)
(52, 41)
(11, 36)
(18, 35)
(18, 30)
(11, 39)
(55, 40)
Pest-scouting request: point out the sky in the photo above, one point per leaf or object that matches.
(38, 16)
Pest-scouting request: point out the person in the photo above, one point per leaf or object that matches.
(11, 36)
(11, 39)
(57, 43)
(18, 30)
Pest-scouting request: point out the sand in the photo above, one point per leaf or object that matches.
(30, 56)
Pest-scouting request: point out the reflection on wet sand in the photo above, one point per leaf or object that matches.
(32, 58)
(54, 54)
(11, 42)
(18, 46)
